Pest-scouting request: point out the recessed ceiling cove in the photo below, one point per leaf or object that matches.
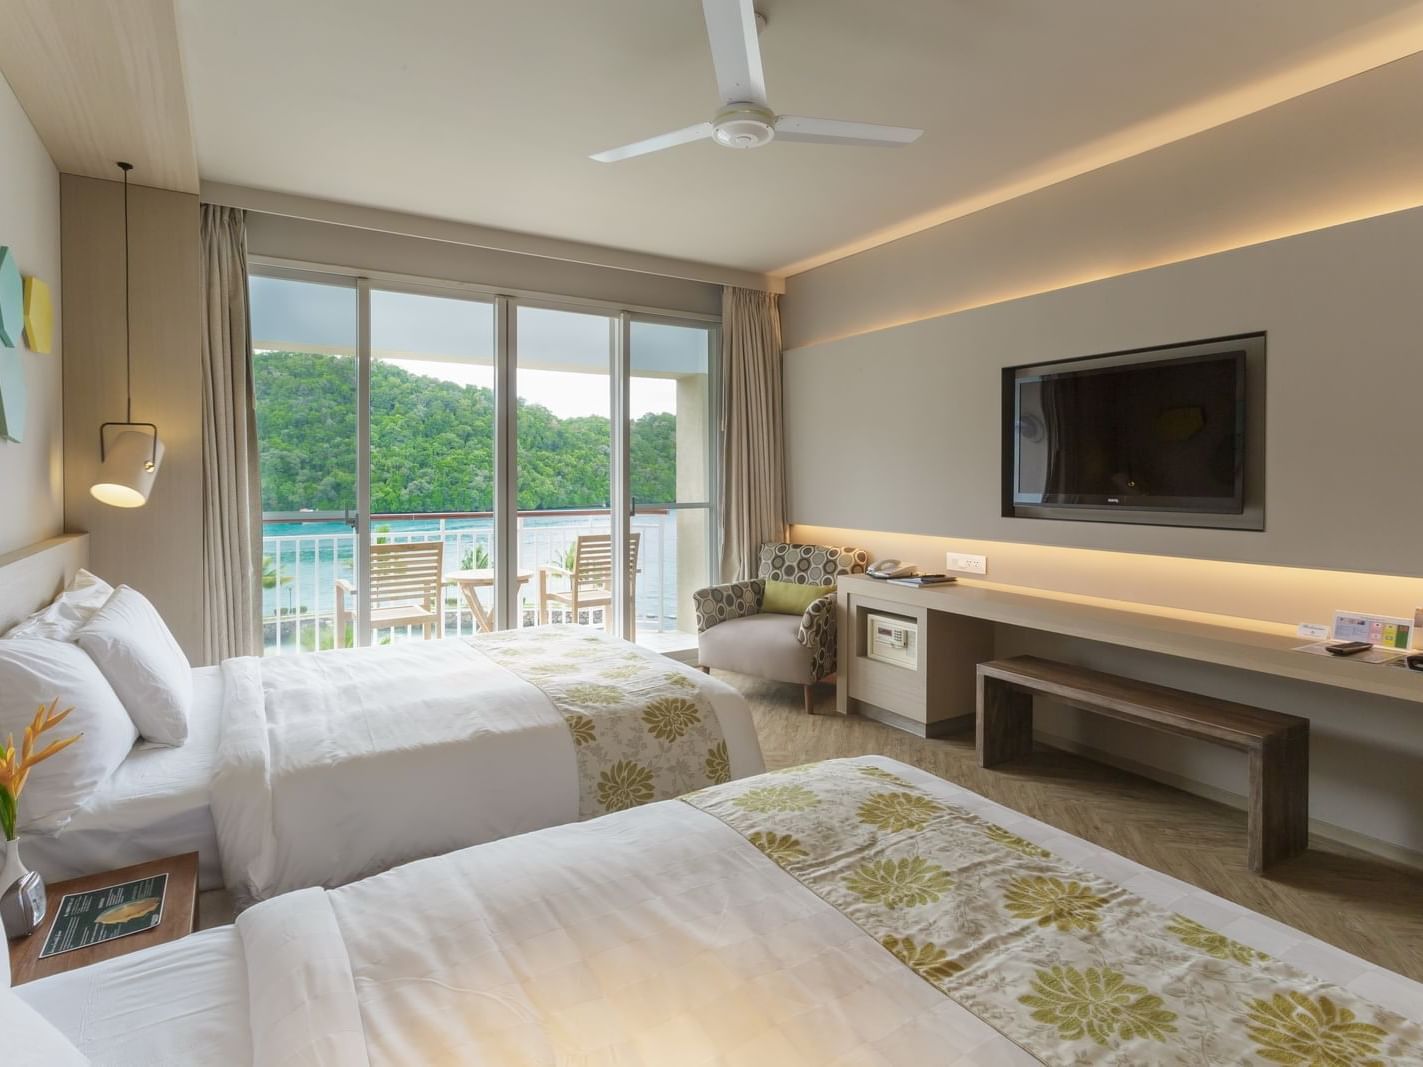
(488, 113)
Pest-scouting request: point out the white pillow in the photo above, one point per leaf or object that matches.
(142, 661)
(31, 1040)
(34, 672)
(84, 595)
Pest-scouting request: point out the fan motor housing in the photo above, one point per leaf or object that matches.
(744, 126)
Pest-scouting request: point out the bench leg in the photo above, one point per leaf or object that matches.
(1005, 722)
(1279, 799)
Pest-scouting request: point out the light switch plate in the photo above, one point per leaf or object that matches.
(965, 563)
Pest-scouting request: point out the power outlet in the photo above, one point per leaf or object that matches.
(966, 564)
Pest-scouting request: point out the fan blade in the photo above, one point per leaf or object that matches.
(736, 53)
(835, 131)
(700, 132)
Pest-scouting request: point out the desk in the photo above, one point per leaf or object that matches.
(470, 582)
(976, 606)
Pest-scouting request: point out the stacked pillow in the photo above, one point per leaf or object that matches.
(142, 661)
(106, 653)
(34, 671)
(62, 617)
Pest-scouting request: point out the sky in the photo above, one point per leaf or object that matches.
(562, 356)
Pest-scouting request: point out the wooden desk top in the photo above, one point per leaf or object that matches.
(1247, 644)
(180, 914)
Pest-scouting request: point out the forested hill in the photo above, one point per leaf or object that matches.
(432, 443)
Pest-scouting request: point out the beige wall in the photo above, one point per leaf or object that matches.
(32, 471)
(916, 449)
(372, 250)
(894, 365)
(157, 549)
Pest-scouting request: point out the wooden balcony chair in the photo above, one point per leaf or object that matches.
(406, 582)
(590, 582)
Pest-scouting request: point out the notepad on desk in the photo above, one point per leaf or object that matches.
(925, 579)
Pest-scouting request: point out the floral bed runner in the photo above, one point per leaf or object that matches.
(642, 729)
(1071, 967)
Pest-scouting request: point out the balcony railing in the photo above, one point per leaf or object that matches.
(305, 555)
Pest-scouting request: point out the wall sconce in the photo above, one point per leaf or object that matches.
(128, 466)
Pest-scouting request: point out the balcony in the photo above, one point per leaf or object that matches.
(304, 556)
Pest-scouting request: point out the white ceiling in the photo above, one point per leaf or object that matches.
(486, 113)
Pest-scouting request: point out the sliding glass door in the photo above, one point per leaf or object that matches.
(437, 461)
(432, 470)
(563, 378)
(305, 379)
(669, 476)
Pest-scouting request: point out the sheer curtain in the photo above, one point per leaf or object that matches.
(753, 480)
(232, 509)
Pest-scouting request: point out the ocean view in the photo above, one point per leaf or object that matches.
(303, 560)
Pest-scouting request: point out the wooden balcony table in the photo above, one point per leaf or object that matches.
(473, 580)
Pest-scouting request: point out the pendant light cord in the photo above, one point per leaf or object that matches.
(128, 325)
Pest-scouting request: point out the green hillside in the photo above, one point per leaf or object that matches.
(432, 443)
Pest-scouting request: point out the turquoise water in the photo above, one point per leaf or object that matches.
(310, 556)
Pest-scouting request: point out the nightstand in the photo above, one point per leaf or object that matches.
(180, 914)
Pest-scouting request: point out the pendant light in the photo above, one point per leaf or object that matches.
(129, 461)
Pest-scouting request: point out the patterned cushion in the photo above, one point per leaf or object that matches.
(810, 564)
(721, 603)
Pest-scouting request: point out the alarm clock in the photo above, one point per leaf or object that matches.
(22, 907)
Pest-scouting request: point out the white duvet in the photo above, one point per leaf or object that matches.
(656, 937)
(337, 765)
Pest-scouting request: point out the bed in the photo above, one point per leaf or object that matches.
(319, 769)
(156, 804)
(852, 912)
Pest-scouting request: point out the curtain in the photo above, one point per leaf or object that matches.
(753, 482)
(232, 510)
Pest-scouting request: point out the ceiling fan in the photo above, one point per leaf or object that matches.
(745, 120)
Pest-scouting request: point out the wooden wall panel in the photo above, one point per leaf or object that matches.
(157, 549)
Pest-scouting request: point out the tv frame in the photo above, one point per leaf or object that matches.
(1251, 515)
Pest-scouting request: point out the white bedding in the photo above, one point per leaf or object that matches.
(156, 804)
(336, 765)
(318, 782)
(657, 936)
(169, 1006)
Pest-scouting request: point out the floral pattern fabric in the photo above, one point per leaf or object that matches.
(1071, 967)
(641, 729)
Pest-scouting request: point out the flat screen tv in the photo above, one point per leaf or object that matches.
(1166, 436)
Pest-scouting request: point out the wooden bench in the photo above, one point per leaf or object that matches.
(1277, 744)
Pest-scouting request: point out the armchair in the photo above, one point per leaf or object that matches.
(734, 634)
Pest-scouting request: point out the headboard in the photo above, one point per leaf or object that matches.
(32, 576)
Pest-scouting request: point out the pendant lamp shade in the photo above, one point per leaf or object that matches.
(130, 464)
(130, 458)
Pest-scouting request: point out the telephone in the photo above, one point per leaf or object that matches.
(890, 568)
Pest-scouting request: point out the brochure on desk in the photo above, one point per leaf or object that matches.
(84, 919)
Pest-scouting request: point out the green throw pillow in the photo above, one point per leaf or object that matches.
(791, 598)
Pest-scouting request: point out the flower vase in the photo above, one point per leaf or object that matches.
(14, 868)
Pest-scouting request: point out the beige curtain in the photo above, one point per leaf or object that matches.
(232, 510)
(753, 482)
